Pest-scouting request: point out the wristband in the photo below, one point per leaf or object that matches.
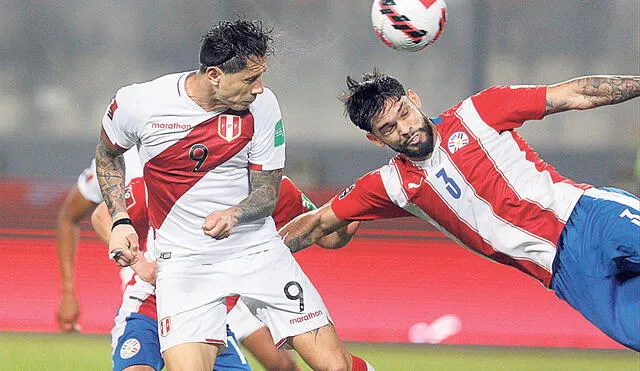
(121, 221)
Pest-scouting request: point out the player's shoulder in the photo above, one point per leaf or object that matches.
(138, 99)
(375, 176)
(150, 90)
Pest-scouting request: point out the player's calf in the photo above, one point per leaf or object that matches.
(321, 349)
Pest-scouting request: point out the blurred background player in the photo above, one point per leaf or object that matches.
(135, 334)
(471, 175)
(80, 201)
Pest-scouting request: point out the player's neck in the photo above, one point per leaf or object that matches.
(201, 92)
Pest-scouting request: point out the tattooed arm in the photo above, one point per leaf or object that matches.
(591, 91)
(123, 244)
(260, 203)
(110, 174)
(311, 227)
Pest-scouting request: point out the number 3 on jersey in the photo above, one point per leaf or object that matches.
(198, 153)
(450, 184)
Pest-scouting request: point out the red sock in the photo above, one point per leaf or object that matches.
(360, 364)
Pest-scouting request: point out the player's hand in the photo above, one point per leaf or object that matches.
(145, 269)
(219, 223)
(123, 245)
(68, 312)
(339, 238)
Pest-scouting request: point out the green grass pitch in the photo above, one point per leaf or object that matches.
(61, 352)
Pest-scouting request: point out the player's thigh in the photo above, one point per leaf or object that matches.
(281, 295)
(135, 342)
(191, 304)
(232, 358)
(202, 324)
(191, 357)
(321, 349)
(601, 236)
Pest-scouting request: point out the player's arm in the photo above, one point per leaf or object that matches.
(74, 208)
(339, 238)
(101, 222)
(310, 227)
(260, 203)
(591, 91)
(110, 171)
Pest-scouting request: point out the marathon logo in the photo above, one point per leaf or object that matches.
(306, 317)
(170, 126)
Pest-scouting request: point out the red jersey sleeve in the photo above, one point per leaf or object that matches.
(507, 107)
(366, 199)
(291, 203)
(136, 199)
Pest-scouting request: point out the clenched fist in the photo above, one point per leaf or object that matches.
(220, 223)
(123, 245)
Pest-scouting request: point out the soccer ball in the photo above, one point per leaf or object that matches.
(408, 25)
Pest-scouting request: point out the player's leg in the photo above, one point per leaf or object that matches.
(283, 297)
(191, 315)
(596, 269)
(232, 358)
(322, 350)
(261, 345)
(190, 356)
(256, 338)
(135, 343)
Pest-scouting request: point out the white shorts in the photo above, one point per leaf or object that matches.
(191, 297)
(242, 322)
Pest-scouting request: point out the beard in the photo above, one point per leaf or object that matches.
(421, 150)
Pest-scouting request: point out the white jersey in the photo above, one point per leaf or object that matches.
(196, 162)
(88, 183)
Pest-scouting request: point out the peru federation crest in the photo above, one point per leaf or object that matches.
(457, 140)
(164, 326)
(229, 127)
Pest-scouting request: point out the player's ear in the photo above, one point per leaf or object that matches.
(414, 98)
(213, 74)
(373, 139)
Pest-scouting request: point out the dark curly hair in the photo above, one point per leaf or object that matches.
(230, 44)
(364, 101)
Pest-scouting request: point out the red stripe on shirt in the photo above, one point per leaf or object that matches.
(148, 307)
(171, 173)
(289, 203)
(427, 3)
(491, 185)
(448, 219)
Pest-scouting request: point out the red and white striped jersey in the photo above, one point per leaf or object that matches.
(291, 203)
(196, 162)
(483, 186)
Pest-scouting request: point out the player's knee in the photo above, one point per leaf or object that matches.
(283, 363)
(337, 362)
